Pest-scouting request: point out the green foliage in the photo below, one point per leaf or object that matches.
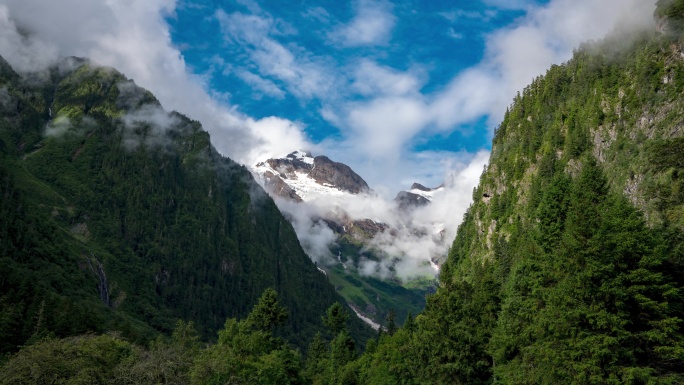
(391, 323)
(267, 313)
(247, 352)
(343, 351)
(410, 324)
(165, 362)
(336, 318)
(583, 312)
(381, 295)
(111, 221)
(78, 360)
(555, 276)
(667, 154)
(317, 357)
(567, 268)
(552, 212)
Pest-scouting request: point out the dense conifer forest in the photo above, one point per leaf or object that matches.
(568, 267)
(120, 216)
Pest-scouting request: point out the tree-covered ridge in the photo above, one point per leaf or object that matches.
(569, 262)
(568, 268)
(117, 215)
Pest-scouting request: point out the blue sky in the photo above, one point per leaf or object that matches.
(435, 40)
(400, 90)
(309, 61)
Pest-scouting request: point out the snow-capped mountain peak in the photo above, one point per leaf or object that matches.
(425, 192)
(302, 156)
(417, 196)
(300, 177)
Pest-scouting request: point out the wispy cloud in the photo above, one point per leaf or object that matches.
(379, 108)
(371, 78)
(509, 4)
(318, 14)
(412, 240)
(454, 35)
(372, 25)
(515, 55)
(23, 52)
(303, 76)
(260, 84)
(383, 125)
(133, 37)
(457, 15)
(369, 102)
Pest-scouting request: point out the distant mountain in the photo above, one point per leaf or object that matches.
(299, 176)
(306, 180)
(568, 267)
(417, 196)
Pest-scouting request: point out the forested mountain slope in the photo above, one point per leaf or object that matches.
(569, 265)
(567, 269)
(117, 215)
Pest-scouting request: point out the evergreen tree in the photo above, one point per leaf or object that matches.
(317, 368)
(336, 319)
(391, 324)
(409, 324)
(267, 313)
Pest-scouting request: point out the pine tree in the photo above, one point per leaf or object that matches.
(336, 319)
(391, 324)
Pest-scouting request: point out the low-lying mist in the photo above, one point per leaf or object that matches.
(414, 237)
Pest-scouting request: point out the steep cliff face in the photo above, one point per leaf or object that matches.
(568, 265)
(621, 108)
(118, 215)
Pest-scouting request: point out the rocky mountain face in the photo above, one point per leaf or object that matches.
(417, 196)
(300, 177)
(568, 267)
(119, 216)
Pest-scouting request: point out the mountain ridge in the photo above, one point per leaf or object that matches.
(121, 183)
(567, 267)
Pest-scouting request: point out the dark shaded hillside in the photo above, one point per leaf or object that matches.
(117, 215)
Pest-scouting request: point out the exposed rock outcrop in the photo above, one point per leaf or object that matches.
(276, 185)
(417, 196)
(326, 171)
(406, 199)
